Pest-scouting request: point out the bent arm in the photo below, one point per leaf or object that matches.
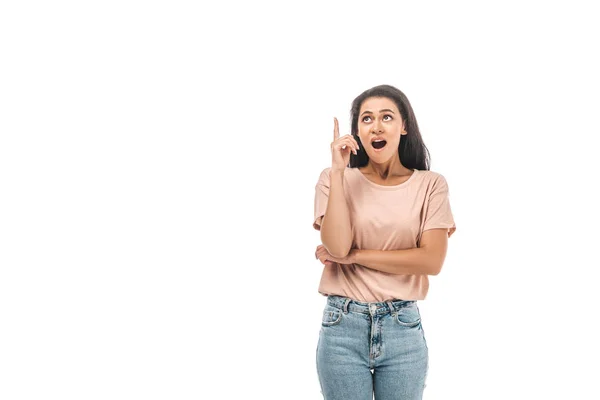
(336, 230)
(424, 260)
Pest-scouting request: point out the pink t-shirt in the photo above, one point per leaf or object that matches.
(384, 218)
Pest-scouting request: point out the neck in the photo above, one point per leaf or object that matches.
(392, 167)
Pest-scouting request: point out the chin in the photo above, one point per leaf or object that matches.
(380, 155)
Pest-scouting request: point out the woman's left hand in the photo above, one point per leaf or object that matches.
(327, 259)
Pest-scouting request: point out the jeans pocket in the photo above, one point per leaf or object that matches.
(408, 316)
(331, 316)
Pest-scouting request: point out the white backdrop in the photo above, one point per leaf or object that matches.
(157, 171)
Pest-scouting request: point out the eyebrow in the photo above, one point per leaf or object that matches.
(370, 112)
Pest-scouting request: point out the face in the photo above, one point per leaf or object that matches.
(380, 126)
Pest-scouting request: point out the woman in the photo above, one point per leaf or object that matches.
(384, 221)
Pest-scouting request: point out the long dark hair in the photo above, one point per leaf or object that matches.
(413, 152)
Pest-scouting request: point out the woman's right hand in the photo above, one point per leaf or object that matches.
(341, 148)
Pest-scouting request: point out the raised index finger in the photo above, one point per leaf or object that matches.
(336, 129)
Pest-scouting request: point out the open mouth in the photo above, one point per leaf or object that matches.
(378, 144)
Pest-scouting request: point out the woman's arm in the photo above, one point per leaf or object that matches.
(424, 260)
(336, 230)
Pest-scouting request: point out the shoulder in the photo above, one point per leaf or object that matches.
(325, 175)
(325, 172)
(432, 176)
(434, 180)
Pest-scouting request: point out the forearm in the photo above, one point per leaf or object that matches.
(416, 261)
(336, 230)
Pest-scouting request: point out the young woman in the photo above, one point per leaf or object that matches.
(384, 220)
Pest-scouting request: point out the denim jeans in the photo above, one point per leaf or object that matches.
(368, 349)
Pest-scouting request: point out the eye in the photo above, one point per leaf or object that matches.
(387, 115)
(365, 117)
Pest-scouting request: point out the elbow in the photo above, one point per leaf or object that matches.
(336, 246)
(435, 267)
(341, 254)
(338, 251)
(434, 260)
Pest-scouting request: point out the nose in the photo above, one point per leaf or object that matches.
(377, 127)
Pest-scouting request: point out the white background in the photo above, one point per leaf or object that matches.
(157, 171)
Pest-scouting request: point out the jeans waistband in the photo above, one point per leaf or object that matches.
(346, 304)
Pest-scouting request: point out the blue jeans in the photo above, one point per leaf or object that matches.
(371, 348)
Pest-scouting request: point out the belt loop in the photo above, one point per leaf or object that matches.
(345, 308)
(391, 306)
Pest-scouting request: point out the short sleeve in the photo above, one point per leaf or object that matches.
(437, 211)
(321, 198)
